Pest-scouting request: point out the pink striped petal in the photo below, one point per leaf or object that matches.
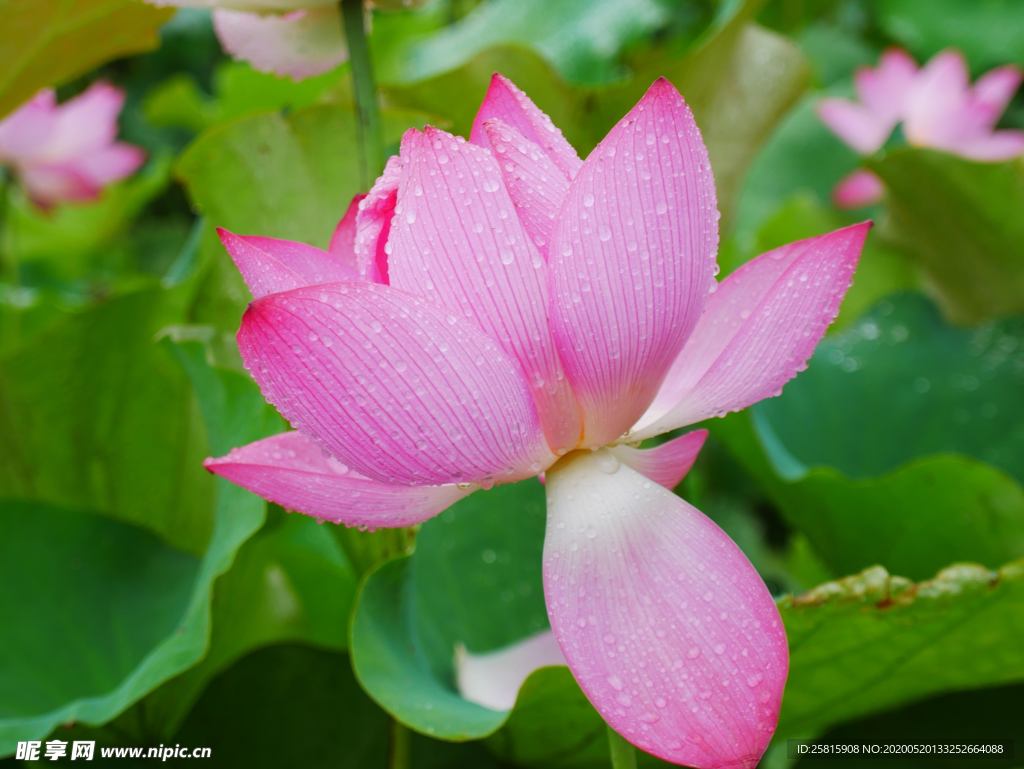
(759, 329)
(858, 189)
(884, 89)
(294, 472)
(373, 223)
(505, 101)
(855, 124)
(456, 239)
(493, 679)
(393, 386)
(666, 626)
(270, 265)
(632, 260)
(535, 184)
(300, 43)
(668, 463)
(343, 240)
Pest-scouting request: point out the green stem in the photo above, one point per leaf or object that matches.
(8, 271)
(371, 132)
(400, 747)
(623, 754)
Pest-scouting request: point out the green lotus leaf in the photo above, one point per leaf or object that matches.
(961, 222)
(988, 33)
(125, 610)
(871, 642)
(48, 42)
(95, 416)
(902, 444)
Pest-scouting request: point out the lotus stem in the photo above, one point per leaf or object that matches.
(400, 747)
(623, 754)
(364, 88)
(9, 330)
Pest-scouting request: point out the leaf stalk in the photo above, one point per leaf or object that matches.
(623, 754)
(369, 127)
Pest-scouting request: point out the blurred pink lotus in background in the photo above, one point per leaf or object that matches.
(497, 309)
(68, 152)
(939, 109)
(297, 38)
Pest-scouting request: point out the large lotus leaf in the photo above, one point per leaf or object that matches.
(289, 582)
(902, 384)
(86, 599)
(475, 579)
(961, 221)
(94, 416)
(179, 634)
(871, 642)
(941, 507)
(48, 42)
(292, 705)
(989, 32)
(736, 69)
(580, 38)
(930, 511)
(902, 443)
(289, 706)
(238, 90)
(284, 177)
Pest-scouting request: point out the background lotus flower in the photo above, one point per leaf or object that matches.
(939, 109)
(505, 309)
(68, 152)
(298, 38)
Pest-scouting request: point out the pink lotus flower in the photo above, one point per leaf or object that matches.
(939, 109)
(68, 152)
(499, 308)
